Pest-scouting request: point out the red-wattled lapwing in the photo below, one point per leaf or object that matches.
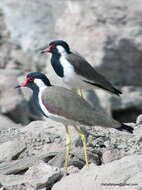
(67, 107)
(75, 70)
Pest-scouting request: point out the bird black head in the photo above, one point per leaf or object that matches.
(30, 80)
(56, 47)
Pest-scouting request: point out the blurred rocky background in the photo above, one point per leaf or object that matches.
(109, 35)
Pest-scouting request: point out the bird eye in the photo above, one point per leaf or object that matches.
(30, 79)
(53, 46)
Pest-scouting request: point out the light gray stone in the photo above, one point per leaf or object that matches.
(5, 47)
(20, 187)
(12, 102)
(126, 171)
(48, 137)
(42, 174)
(9, 150)
(9, 134)
(6, 123)
(137, 141)
(18, 166)
(139, 120)
(34, 139)
(39, 175)
(41, 136)
(111, 155)
(34, 16)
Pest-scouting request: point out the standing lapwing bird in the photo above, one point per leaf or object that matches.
(75, 70)
(67, 107)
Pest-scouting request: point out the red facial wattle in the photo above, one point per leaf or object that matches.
(26, 81)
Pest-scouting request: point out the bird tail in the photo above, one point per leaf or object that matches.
(111, 90)
(125, 128)
(117, 92)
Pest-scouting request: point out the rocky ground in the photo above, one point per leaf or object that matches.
(32, 157)
(109, 34)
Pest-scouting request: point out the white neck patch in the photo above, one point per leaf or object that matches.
(39, 83)
(61, 50)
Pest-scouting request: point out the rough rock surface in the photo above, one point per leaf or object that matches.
(118, 174)
(38, 176)
(45, 140)
(12, 102)
(6, 123)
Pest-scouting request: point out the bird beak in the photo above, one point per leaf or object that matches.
(24, 83)
(46, 50)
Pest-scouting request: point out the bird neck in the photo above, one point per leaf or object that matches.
(37, 92)
(36, 89)
(56, 64)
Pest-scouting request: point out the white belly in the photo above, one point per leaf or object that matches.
(71, 78)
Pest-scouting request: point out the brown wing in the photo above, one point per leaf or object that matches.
(84, 69)
(63, 102)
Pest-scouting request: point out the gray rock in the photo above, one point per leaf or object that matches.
(45, 18)
(43, 175)
(72, 170)
(112, 50)
(110, 139)
(6, 123)
(34, 139)
(44, 140)
(38, 176)
(48, 137)
(126, 171)
(111, 155)
(5, 47)
(127, 107)
(21, 165)
(137, 141)
(111, 145)
(139, 120)
(19, 187)
(9, 134)
(12, 102)
(9, 150)
(58, 160)
(41, 136)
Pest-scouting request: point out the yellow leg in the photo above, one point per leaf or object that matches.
(80, 92)
(83, 138)
(68, 147)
